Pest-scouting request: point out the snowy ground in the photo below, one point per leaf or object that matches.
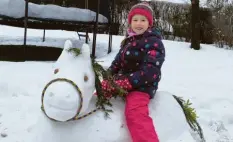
(205, 77)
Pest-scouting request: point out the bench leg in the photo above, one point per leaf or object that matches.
(44, 36)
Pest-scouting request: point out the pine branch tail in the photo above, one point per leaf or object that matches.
(190, 116)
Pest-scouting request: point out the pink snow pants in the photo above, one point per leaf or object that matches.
(139, 123)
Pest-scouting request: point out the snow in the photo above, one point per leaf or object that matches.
(100, 129)
(204, 77)
(16, 9)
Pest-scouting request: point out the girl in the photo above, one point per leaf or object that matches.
(137, 69)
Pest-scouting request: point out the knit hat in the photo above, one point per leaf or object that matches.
(142, 9)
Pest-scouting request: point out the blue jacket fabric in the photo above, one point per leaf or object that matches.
(140, 59)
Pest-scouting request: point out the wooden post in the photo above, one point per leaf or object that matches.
(95, 30)
(110, 43)
(86, 7)
(87, 36)
(25, 22)
(44, 36)
(25, 29)
(110, 27)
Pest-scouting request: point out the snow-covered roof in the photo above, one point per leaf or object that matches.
(16, 9)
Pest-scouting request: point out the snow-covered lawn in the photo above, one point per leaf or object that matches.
(205, 77)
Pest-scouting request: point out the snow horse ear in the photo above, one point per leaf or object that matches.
(64, 56)
(68, 44)
(85, 50)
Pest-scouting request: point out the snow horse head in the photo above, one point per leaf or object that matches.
(72, 84)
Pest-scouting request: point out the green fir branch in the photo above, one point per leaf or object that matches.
(191, 116)
(102, 101)
(75, 51)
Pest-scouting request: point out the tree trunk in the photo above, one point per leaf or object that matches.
(195, 41)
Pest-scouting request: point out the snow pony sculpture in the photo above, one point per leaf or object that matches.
(72, 97)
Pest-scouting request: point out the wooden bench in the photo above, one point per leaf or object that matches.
(78, 26)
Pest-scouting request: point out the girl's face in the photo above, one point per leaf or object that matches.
(139, 24)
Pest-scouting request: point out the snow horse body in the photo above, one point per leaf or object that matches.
(61, 101)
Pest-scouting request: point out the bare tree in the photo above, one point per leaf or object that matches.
(223, 22)
(217, 6)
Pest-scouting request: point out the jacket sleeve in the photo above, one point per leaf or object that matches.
(150, 70)
(115, 65)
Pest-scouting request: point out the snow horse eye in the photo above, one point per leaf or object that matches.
(85, 78)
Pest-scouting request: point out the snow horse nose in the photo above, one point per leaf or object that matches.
(67, 95)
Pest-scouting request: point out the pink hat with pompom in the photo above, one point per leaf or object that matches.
(142, 9)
